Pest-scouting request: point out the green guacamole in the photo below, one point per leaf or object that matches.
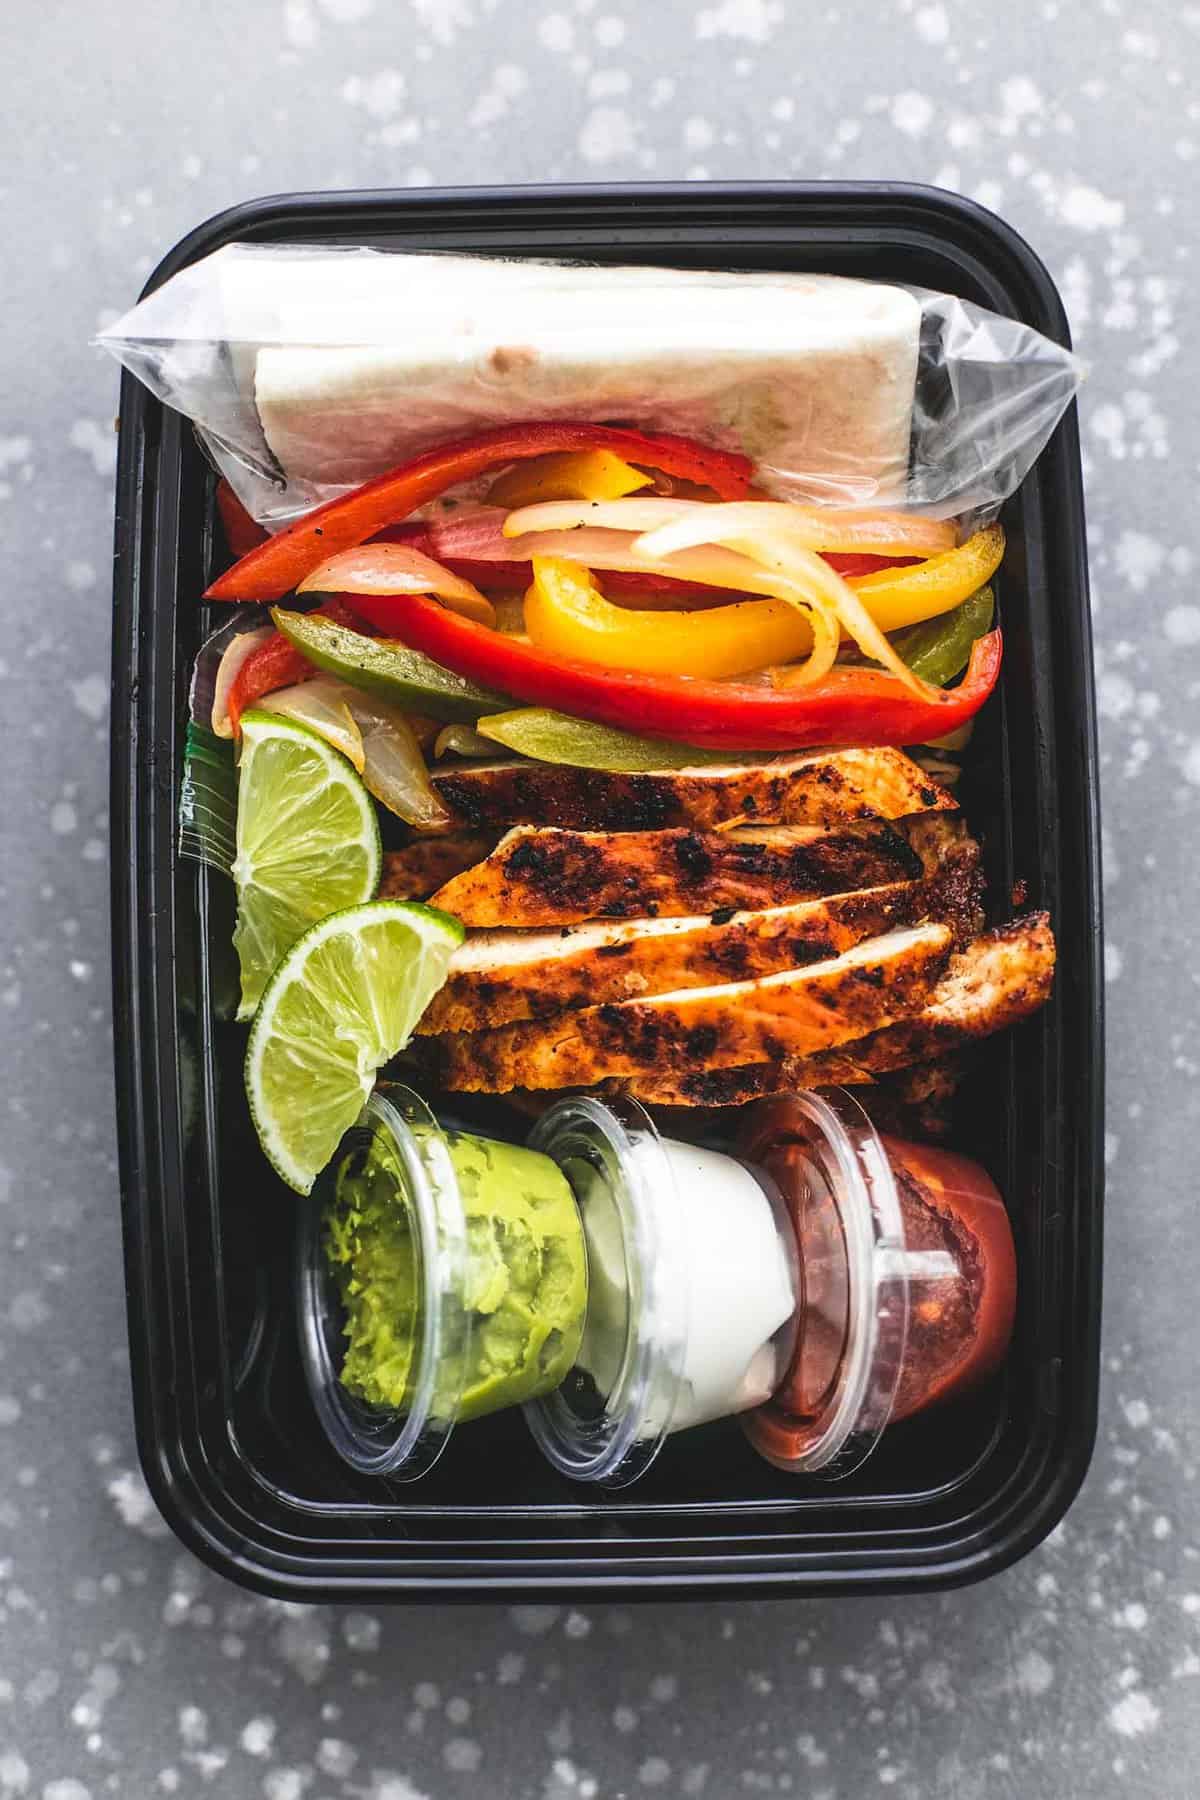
(525, 1292)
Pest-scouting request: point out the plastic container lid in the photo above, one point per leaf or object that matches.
(828, 1162)
(378, 1440)
(612, 1155)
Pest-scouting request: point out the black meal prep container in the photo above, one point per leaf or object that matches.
(228, 1439)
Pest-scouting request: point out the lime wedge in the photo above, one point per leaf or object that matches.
(307, 843)
(344, 1000)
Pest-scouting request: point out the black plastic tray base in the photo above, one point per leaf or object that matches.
(228, 1441)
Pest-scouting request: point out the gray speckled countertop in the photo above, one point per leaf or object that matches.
(125, 1667)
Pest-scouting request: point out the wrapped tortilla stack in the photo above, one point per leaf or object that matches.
(812, 376)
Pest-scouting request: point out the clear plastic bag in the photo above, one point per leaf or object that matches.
(308, 370)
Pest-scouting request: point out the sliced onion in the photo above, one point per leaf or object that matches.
(475, 536)
(815, 528)
(321, 704)
(394, 769)
(235, 653)
(709, 565)
(780, 556)
(391, 568)
(462, 740)
(640, 512)
(382, 742)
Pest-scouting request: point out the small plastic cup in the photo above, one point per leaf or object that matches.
(403, 1443)
(441, 1276)
(908, 1279)
(692, 1290)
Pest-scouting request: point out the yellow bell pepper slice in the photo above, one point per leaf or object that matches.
(899, 597)
(566, 614)
(567, 475)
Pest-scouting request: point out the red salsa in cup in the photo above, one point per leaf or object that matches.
(907, 1278)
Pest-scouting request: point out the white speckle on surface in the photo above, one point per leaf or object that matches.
(1139, 558)
(10, 1409)
(655, 1771)
(1137, 1413)
(1113, 962)
(386, 1786)
(135, 1506)
(258, 1737)
(606, 135)
(1134, 1714)
(556, 32)
(63, 818)
(1033, 1674)
(463, 1755)
(285, 1784)
(750, 20)
(1134, 1615)
(98, 441)
(362, 1631)
(1019, 99)
(27, 1310)
(66, 1789)
(1086, 209)
(932, 23)
(698, 134)
(912, 113)
(346, 12)
(80, 576)
(534, 1621)
(443, 19)
(495, 101)
(609, 31)
(300, 28)
(302, 1640)
(1181, 625)
(193, 1726)
(14, 1772)
(380, 94)
(337, 1758)
(90, 695)
(14, 451)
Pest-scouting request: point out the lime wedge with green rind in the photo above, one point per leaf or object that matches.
(343, 1002)
(307, 843)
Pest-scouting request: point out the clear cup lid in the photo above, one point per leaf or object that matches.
(607, 1421)
(832, 1170)
(398, 1156)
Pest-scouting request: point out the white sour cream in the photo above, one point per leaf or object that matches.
(734, 1263)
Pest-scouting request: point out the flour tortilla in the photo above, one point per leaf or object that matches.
(812, 376)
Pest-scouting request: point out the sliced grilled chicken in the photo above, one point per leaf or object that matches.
(553, 877)
(941, 841)
(499, 977)
(793, 1013)
(821, 787)
(421, 868)
(1002, 978)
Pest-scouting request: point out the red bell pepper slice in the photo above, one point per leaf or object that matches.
(846, 707)
(273, 569)
(242, 533)
(276, 664)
